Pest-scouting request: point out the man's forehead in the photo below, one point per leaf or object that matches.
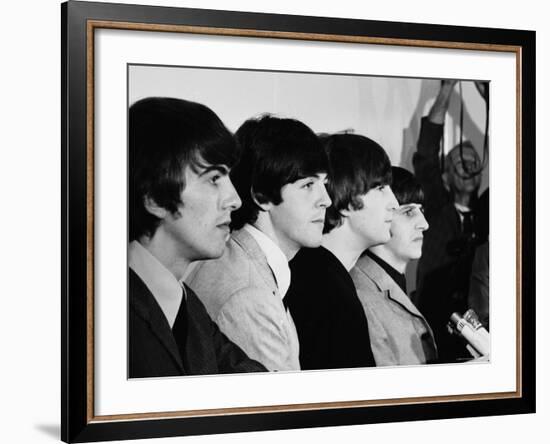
(468, 152)
(321, 175)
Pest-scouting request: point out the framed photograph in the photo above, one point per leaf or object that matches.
(333, 78)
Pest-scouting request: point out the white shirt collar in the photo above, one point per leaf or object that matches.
(162, 283)
(461, 208)
(276, 259)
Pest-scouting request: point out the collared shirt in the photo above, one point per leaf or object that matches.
(399, 278)
(276, 259)
(162, 283)
(461, 209)
(467, 219)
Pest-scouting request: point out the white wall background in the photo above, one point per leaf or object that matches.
(30, 253)
(388, 110)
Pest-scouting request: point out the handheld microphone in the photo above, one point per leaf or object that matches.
(470, 328)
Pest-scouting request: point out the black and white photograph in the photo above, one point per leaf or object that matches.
(290, 221)
(282, 221)
(243, 222)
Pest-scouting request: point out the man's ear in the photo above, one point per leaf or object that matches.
(346, 212)
(445, 179)
(152, 207)
(261, 201)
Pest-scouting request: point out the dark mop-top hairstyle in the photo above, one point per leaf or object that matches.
(273, 152)
(166, 136)
(405, 187)
(356, 165)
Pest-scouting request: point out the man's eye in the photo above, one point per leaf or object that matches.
(214, 179)
(307, 185)
(381, 187)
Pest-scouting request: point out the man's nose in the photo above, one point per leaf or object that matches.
(324, 200)
(422, 224)
(392, 200)
(232, 199)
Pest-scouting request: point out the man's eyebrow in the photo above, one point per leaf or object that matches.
(219, 168)
(409, 206)
(319, 175)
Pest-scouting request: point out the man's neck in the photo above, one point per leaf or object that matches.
(166, 253)
(387, 255)
(343, 245)
(265, 225)
(465, 199)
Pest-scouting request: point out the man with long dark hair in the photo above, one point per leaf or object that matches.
(181, 199)
(280, 177)
(330, 320)
(399, 333)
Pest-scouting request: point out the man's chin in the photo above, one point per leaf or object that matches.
(381, 241)
(469, 187)
(214, 253)
(312, 243)
(414, 256)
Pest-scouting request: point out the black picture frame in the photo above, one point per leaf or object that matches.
(79, 19)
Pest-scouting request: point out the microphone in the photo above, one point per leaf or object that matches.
(470, 328)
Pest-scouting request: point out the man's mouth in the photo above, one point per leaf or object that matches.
(224, 225)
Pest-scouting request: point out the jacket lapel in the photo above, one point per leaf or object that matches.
(145, 305)
(249, 244)
(386, 284)
(393, 292)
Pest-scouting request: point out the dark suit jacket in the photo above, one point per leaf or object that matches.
(153, 350)
(443, 272)
(330, 320)
(478, 298)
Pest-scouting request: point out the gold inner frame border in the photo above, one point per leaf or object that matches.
(92, 25)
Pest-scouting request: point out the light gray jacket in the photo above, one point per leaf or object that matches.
(241, 295)
(399, 334)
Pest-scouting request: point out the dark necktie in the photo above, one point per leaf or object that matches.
(467, 223)
(179, 330)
